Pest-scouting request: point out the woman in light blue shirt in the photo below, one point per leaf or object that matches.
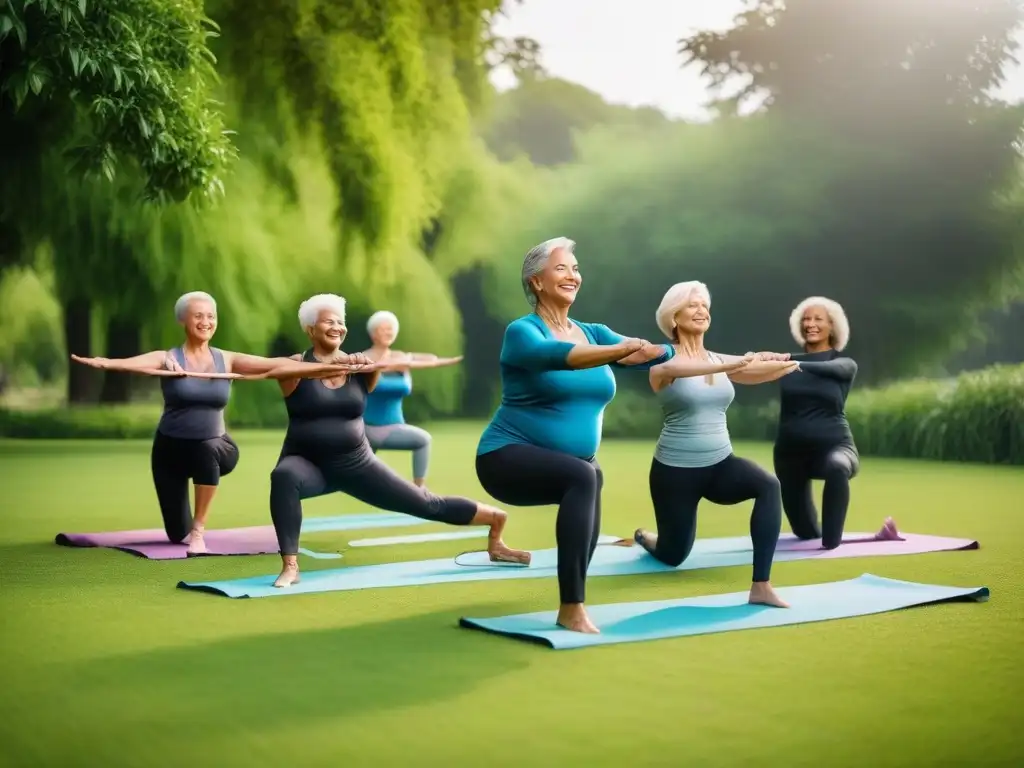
(541, 445)
(385, 423)
(693, 459)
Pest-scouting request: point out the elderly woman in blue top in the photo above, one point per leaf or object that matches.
(540, 448)
(693, 459)
(385, 423)
(191, 440)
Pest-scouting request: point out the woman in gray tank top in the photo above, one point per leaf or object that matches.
(693, 459)
(191, 440)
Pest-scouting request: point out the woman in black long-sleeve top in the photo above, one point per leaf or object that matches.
(813, 440)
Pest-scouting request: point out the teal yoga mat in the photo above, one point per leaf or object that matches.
(633, 622)
(608, 561)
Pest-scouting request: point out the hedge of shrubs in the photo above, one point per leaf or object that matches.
(977, 417)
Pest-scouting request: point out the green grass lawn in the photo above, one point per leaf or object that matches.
(105, 663)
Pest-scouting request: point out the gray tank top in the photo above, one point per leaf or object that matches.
(194, 408)
(695, 433)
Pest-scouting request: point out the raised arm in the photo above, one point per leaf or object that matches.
(679, 367)
(840, 369)
(764, 371)
(526, 347)
(145, 363)
(641, 360)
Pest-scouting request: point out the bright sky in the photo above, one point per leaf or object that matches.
(628, 51)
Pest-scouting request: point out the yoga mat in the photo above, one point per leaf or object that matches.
(417, 538)
(632, 622)
(608, 561)
(152, 543)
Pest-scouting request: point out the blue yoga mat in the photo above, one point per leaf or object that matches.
(608, 561)
(360, 522)
(633, 622)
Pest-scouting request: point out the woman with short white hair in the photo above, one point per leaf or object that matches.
(693, 459)
(541, 446)
(813, 440)
(191, 440)
(326, 451)
(385, 423)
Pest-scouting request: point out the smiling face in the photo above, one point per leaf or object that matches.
(384, 333)
(329, 332)
(816, 327)
(200, 320)
(560, 280)
(693, 317)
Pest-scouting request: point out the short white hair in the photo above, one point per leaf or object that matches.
(840, 325)
(674, 298)
(383, 316)
(537, 258)
(181, 305)
(310, 309)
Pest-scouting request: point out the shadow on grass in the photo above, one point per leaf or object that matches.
(297, 676)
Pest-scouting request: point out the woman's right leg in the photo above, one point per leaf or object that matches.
(170, 479)
(675, 493)
(292, 480)
(793, 472)
(529, 476)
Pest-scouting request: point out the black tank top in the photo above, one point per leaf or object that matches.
(322, 420)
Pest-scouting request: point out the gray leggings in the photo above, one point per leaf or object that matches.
(403, 437)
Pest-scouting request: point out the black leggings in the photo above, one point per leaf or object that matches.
(361, 475)
(174, 460)
(529, 476)
(676, 491)
(795, 468)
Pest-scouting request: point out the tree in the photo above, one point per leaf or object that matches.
(862, 62)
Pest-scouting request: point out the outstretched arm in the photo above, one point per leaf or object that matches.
(643, 359)
(678, 367)
(253, 365)
(762, 372)
(526, 347)
(840, 369)
(140, 363)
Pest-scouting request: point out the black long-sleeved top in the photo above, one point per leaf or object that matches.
(812, 408)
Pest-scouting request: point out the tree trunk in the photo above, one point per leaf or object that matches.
(123, 340)
(482, 335)
(78, 341)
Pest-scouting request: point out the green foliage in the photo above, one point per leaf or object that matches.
(542, 117)
(862, 62)
(31, 348)
(121, 80)
(387, 85)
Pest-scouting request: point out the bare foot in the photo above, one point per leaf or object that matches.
(573, 616)
(889, 531)
(761, 593)
(498, 551)
(646, 539)
(289, 571)
(196, 544)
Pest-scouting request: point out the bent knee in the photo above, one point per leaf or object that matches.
(769, 485)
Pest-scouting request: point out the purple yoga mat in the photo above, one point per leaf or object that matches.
(868, 545)
(152, 543)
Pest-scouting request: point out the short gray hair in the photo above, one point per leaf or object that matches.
(383, 316)
(310, 309)
(840, 325)
(181, 305)
(673, 299)
(537, 258)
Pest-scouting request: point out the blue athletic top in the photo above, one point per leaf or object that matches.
(384, 404)
(546, 403)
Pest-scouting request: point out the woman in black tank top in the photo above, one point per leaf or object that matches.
(326, 451)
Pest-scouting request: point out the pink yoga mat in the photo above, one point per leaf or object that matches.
(152, 543)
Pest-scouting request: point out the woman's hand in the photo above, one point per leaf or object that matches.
(740, 364)
(93, 362)
(170, 364)
(766, 357)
